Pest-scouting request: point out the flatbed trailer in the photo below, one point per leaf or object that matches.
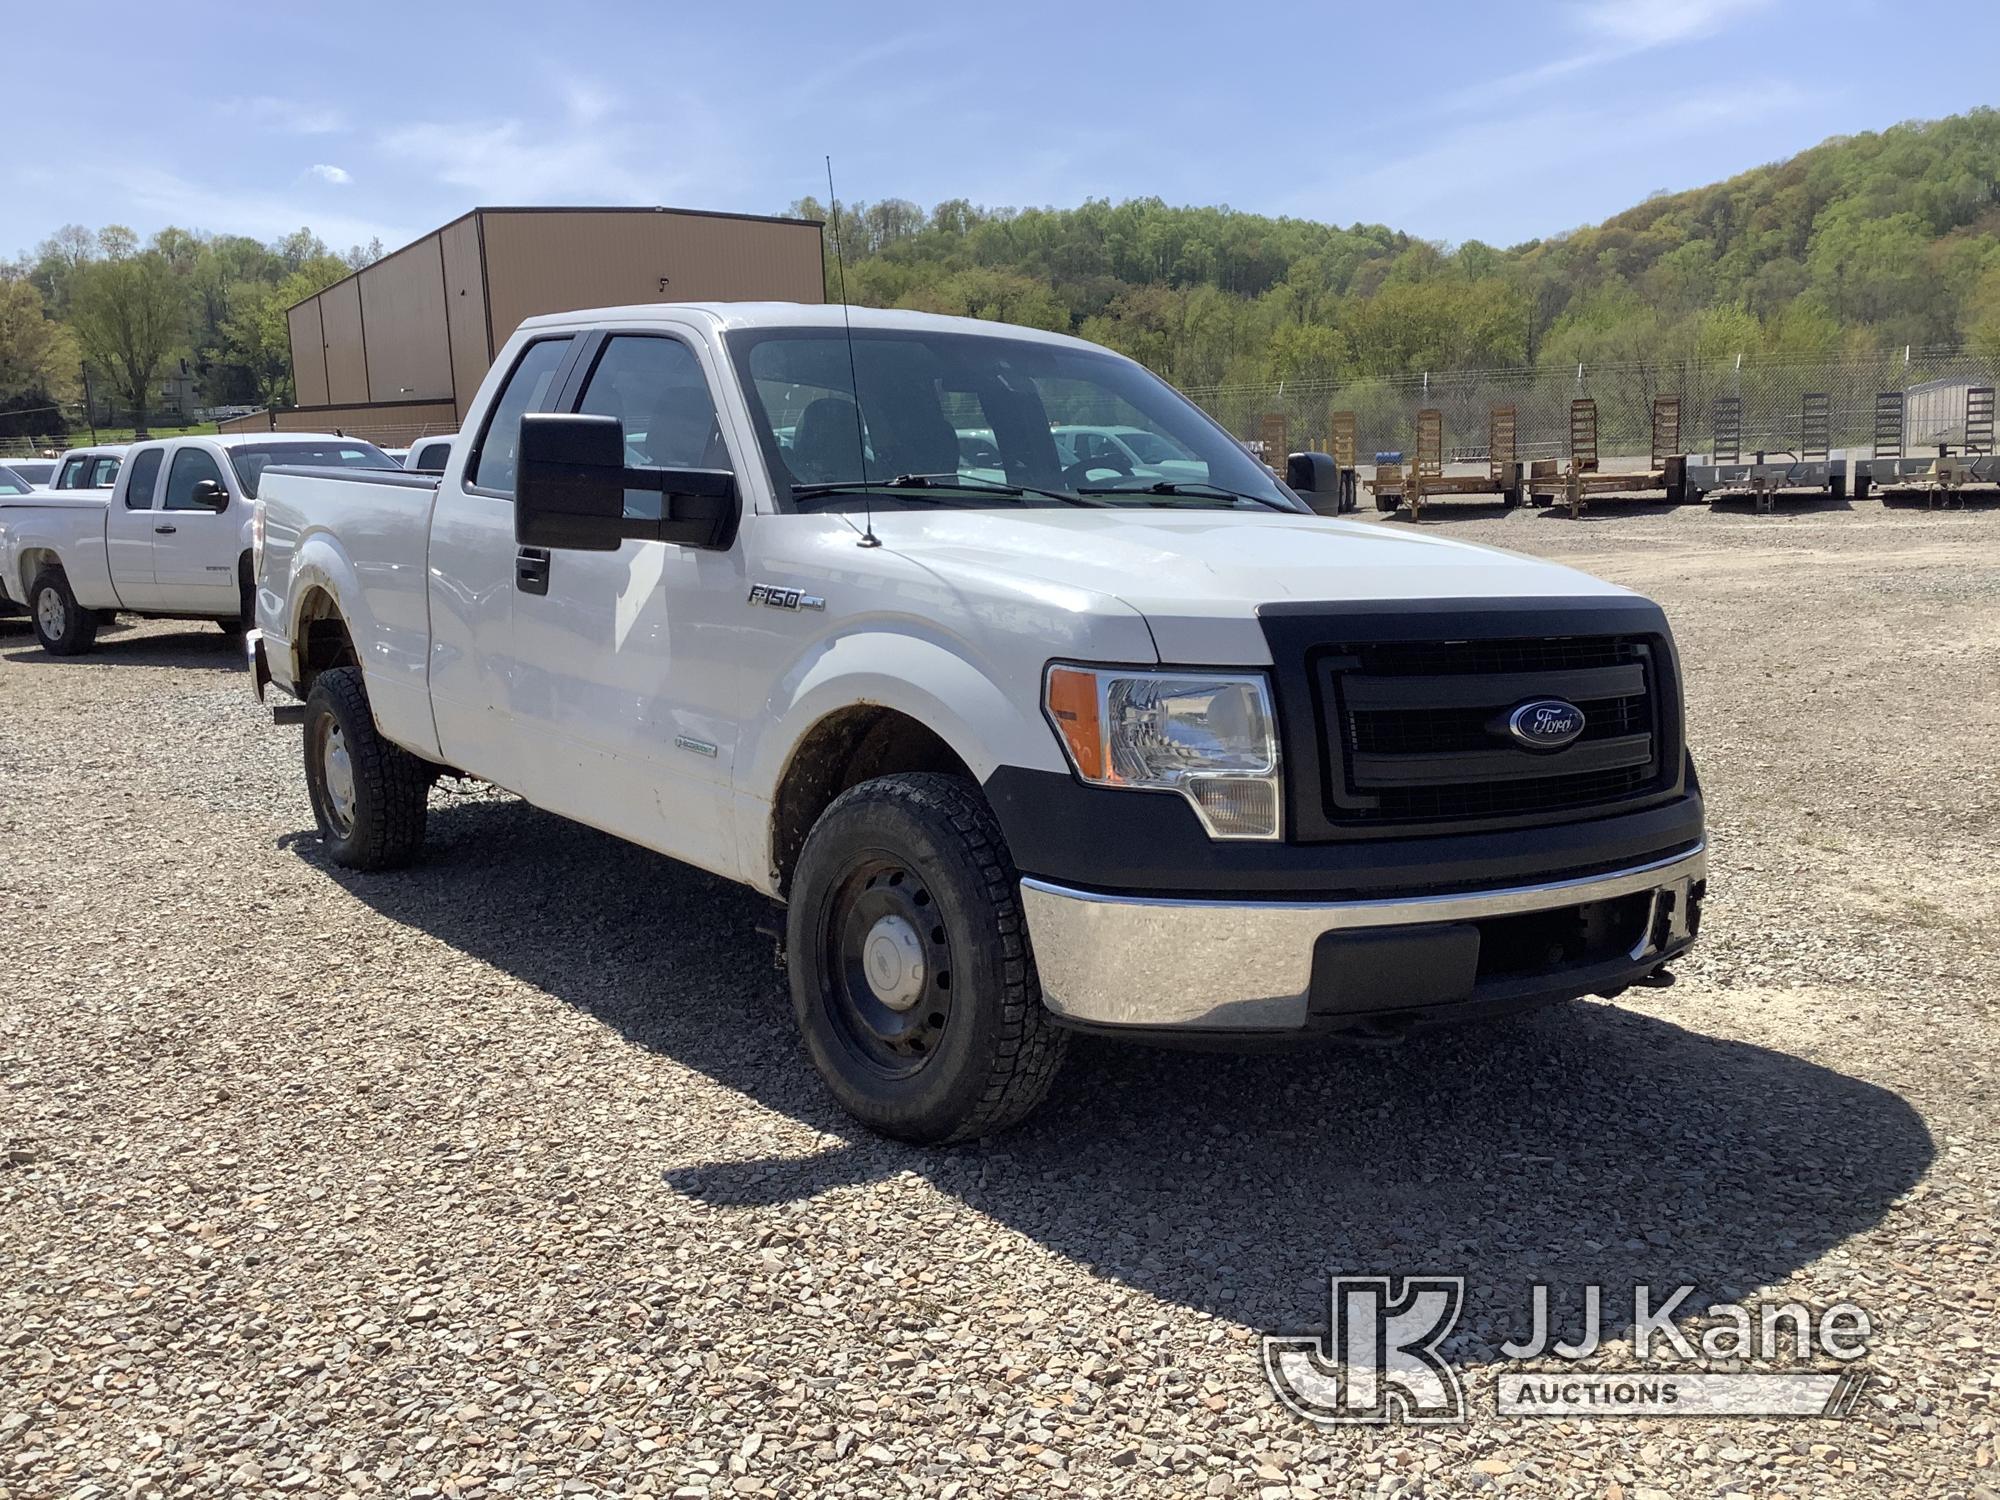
(1426, 478)
(1761, 479)
(1573, 488)
(1940, 478)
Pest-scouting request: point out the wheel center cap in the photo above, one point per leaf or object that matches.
(893, 958)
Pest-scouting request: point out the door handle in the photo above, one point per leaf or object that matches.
(165, 530)
(531, 570)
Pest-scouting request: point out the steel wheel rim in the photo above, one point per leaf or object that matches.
(50, 613)
(888, 968)
(336, 767)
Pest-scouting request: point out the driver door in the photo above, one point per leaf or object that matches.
(624, 668)
(195, 549)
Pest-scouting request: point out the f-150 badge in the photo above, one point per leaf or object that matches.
(773, 597)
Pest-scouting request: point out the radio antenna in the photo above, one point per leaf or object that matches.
(868, 537)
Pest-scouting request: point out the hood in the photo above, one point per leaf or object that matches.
(1199, 576)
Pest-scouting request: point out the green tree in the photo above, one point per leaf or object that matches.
(130, 314)
(38, 356)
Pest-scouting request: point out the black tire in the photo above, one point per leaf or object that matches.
(1510, 499)
(64, 627)
(246, 600)
(964, 1048)
(370, 799)
(1387, 503)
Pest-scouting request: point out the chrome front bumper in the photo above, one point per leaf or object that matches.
(1247, 966)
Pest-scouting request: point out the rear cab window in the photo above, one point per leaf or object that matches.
(250, 460)
(528, 388)
(142, 478)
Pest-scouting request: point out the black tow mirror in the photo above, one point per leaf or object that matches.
(572, 483)
(209, 495)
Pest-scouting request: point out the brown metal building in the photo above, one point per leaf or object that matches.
(400, 347)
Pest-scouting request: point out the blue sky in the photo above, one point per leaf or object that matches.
(1453, 119)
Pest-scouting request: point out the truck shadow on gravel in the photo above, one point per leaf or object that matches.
(1588, 1144)
(197, 647)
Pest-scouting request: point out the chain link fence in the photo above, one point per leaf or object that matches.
(1933, 384)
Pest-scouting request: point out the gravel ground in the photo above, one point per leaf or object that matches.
(505, 1175)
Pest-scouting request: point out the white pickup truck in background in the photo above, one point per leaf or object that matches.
(429, 455)
(172, 537)
(94, 468)
(1025, 740)
(35, 473)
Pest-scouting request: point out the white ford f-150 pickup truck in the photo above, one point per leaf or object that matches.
(1025, 743)
(171, 537)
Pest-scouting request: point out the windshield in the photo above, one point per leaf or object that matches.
(12, 483)
(988, 410)
(252, 459)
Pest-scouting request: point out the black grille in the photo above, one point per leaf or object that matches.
(1400, 732)
(1415, 731)
(1505, 799)
(1442, 658)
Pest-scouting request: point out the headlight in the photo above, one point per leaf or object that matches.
(1211, 736)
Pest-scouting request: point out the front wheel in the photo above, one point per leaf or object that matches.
(911, 975)
(64, 627)
(370, 797)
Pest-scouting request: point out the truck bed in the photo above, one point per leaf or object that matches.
(364, 533)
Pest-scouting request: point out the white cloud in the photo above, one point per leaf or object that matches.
(153, 194)
(327, 172)
(1482, 170)
(1616, 31)
(602, 149)
(1638, 25)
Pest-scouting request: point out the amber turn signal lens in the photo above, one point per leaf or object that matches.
(1072, 699)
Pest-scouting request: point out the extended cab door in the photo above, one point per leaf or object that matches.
(128, 528)
(195, 548)
(625, 676)
(475, 567)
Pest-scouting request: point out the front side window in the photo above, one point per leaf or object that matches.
(144, 476)
(527, 390)
(12, 483)
(191, 466)
(655, 387)
(250, 460)
(1055, 420)
(103, 472)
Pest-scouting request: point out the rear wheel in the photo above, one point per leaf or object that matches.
(369, 797)
(64, 627)
(911, 977)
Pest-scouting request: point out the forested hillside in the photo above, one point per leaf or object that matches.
(134, 312)
(1860, 243)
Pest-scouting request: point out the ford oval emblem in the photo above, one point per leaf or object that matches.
(1545, 724)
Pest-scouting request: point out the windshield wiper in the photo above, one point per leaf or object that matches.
(938, 482)
(1192, 488)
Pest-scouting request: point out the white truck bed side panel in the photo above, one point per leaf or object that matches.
(55, 527)
(364, 544)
